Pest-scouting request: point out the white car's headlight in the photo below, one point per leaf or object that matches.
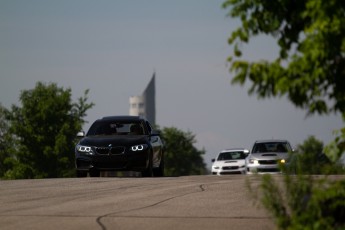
(135, 148)
(252, 161)
(215, 167)
(84, 149)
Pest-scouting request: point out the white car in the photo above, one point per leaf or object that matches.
(230, 161)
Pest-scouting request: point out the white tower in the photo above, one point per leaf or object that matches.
(136, 106)
(145, 104)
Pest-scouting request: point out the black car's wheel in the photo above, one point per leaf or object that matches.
(159, 172)
(95, 173)
(81, 173)
(149, 170)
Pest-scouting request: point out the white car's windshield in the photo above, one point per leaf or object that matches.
(231, 156)
(267, 147)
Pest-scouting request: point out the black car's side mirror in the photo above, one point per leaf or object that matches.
(155, 133)
(213, 160)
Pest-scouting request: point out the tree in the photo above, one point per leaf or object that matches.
(44, 129)
(310, 67)
(181, 157)
(6, 141)
(310, 71)
(309, 158)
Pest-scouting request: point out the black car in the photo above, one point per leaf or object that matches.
(120, 143)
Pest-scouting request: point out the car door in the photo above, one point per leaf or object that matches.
(156, 144)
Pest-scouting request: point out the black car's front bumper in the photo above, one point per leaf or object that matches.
(130, 161)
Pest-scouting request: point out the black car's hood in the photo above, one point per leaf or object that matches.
(99, 141)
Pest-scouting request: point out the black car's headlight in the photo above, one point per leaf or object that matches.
(136, 148)
(84, 149)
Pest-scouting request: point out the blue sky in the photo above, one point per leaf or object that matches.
(112, 47)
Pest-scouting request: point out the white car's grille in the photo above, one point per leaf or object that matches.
(230, 167)
(268, 162)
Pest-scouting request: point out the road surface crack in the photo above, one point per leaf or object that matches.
(103, 227)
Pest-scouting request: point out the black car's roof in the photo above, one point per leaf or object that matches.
(122, 118)
(270, 141)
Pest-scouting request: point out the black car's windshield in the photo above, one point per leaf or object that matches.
(267, 147)
(231, 156)
(116, 128)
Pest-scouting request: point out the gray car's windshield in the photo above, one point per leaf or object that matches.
(116, 128)
(267, 147)
(231, 156)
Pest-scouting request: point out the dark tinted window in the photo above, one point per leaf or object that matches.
(116, 128)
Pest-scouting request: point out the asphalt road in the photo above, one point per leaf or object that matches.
(193, 202)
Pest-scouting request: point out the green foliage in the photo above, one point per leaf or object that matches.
(181, 157)
(311, 146)
(309, 158)
(303, 201)
(310, 67)
(336, 148)
(44, 129)
(6, 141)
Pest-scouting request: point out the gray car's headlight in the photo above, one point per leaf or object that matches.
(136, 148)
(84, 149)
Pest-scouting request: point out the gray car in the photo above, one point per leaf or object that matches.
(267, 155)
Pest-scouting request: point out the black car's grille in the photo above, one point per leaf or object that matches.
(268, 162)
(102, 150)
(110, 150)
(117, 150)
